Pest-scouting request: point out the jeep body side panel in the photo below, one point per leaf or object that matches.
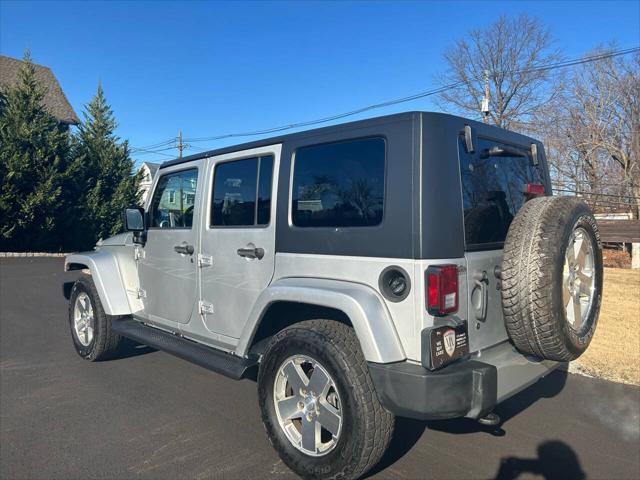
(363, 305)
(107, 276)
(404, 316)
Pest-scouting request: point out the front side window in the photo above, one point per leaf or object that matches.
(174, 200)
(493, 190)
(339, 184)
(242, 193)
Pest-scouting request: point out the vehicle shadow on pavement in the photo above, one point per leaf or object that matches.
(556, 460)
(407, 432)
(133, 349)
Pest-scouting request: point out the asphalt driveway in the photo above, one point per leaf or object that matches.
(151, 415)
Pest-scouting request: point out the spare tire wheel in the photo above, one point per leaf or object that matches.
(552, 278)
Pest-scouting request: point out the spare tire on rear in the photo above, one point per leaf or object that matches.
(552, 278)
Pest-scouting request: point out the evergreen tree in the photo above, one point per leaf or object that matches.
(107, 168)
(34, 169)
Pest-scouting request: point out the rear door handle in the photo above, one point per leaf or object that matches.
(184, 249)
(251, 252)
(481, 281)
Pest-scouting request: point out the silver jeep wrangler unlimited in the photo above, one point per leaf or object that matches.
(413, 265)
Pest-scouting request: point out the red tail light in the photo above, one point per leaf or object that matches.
(534, 189)
(442, 289)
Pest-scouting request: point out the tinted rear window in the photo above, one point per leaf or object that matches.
(339, 184)
(492, 192)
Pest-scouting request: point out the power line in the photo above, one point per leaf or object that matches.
(156, 152)
(197, 149)
(396, 101)
(329, 118)
(578, 61)
(427, 93)
(154, 145)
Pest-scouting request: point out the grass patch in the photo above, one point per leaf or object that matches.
(614, 353)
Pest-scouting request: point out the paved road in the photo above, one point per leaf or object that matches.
(154, 416)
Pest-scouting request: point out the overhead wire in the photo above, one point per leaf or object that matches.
(408, 98)
(387, 103)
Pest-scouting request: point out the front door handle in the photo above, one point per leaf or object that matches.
(184, 249)
(251, 252)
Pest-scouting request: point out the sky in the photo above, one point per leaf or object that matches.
(211, 68)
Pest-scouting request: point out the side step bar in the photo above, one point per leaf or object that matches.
(207, 357)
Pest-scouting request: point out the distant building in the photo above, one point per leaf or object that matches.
(148, 171)
(54, 101)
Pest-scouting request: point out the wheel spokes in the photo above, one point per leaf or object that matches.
(577, 309)
(308, 405)
(310, 434)
(570, 309)
(571, 252)
(289, 407)
(319, 382)
(579, 249)
(586, 287)
(86, 305)
(295, 376)
(329, 418)
(566, 292)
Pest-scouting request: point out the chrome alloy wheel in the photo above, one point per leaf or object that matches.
(579, 278)
(83, 319)
(307, 404)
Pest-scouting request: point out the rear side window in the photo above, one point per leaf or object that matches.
(174, 200)
(493, 186)
(339, 184)
(242, 193)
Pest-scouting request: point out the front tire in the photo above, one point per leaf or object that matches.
(90, 326)
(318, 402)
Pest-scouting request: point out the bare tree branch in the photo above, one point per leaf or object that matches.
(510, 50)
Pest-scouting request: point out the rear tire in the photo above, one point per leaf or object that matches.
(91, 330)
(552, 278)
(332, 350)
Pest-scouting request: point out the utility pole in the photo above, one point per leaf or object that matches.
(180, 144)
(485, 100)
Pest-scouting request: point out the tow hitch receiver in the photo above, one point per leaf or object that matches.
(490, 419)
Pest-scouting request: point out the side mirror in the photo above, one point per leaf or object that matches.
(134, 219)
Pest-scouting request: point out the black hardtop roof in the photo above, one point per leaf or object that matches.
(369, 122)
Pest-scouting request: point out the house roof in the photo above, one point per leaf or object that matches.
(55, 100)
(152, 167)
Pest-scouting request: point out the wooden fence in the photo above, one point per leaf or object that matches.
(624, 231)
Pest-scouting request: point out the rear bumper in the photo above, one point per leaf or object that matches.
(462, 389)
(467, 388)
